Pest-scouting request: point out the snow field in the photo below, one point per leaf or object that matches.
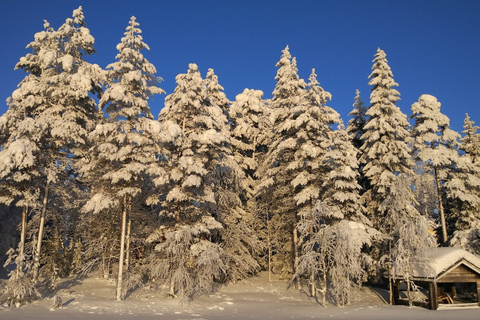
(255, 298)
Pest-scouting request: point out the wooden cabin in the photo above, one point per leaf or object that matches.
(448, 276)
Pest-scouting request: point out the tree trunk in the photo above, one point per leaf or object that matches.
(313, 289)
(269, 244)
(127, 245)
(21, 245)
(295, 253)
(440, 206)
(121, 259)
(390, 283)
(40, 231)
(324, 287)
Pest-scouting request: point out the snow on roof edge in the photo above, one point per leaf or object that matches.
(440, 260)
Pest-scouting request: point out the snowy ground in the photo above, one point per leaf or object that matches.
(252, 299)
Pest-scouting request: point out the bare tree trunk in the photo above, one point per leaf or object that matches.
(121, 259)
(295, 253)
(440, 206)
(23, 231)
(313, 289)
(269, 244)
(390, 283)
(324, 287)
(40, 230)
(127, 245)
(21, 245)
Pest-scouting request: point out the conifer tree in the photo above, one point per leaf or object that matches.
(356, 125)
(249, 130)
(276, 188)
(216, 96)
(240, 242)
(249, 123)
(435, 146)
(464, 191)
(470, 142)
(337, 222)
(49, 117)
(127, 145)
(191, 257)
(385, 151)
(355, 130)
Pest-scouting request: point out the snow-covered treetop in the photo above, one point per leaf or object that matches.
(355, 126)
(186, 101)
(431, 129)
(249, 115)
(470, 143)
(382, 76)
(75, 37)
(289, 89)
(132, 78)
(318, 97)
(216, 98)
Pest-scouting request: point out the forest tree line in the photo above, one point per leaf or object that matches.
(214, 191)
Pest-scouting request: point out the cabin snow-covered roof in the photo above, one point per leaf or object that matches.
(440, 260)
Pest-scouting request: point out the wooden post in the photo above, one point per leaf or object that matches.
(453, 291)
(433, 296)
(478, 292)
(395, 292)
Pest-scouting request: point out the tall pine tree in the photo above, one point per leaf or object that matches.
(385, 151)
(435, 145)
(127, 146)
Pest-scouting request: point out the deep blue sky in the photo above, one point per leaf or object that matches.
(433, 46)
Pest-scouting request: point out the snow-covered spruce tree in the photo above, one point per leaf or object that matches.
(356, 125)
(435, 145)
(250, 135)
(356, 129)
(50, 114)
(21, 178)
(240, 242)
(340, 186)
(249, 123)
(308, 132)
(276, 189)
(385, 152)
(126, 147)
(189, 253)
(344, 223)
(407, 230)
(470, 143)
(466, 191)
(216, 96)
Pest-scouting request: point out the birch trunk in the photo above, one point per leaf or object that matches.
(313, 289)
(122, 251)
(295, 253)
(40, 230)
(269, 244)
(440, 207)
(23, 231)
(127, 245)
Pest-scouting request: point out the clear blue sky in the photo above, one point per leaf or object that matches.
(433, 46)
